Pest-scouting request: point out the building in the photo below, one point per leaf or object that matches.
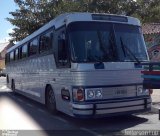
(3, 50)
(152, 38)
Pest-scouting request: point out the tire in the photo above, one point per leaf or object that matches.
(13, 87)
(50, 100)
(7, 79)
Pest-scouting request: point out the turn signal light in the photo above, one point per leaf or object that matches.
(78, 94)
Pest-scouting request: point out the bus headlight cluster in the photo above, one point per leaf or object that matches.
(93, 93)
(141, 91)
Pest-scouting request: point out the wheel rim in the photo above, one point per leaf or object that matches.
(51, 98)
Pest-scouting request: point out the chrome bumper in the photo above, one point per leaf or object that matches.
(112, 107)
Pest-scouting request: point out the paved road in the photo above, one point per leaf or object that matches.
(20, 113)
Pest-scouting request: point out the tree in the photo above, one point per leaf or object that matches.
(149, 11)
(24, 19)
(126, 7)
(32, 14)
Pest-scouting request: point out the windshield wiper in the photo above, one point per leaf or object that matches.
(131, 53)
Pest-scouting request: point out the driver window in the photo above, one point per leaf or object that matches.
(62, 50)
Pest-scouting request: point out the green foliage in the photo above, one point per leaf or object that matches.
(149, 11)
(126, 7)
(32, 14)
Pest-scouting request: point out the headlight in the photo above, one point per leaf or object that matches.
(141, 91)
(146, 91)
(93, 93)
(98, 93)
(90, 94)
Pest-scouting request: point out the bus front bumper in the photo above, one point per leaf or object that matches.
(111, 107)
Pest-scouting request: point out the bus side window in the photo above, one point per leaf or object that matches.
(16, 54)
(24, 51)
(41, 43)
(62, 52)
(62, 55)
(20, 52)
(33, 47)
(8, 57)
(46, 41)
(11, 56)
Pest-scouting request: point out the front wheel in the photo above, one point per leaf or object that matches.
(50, 100)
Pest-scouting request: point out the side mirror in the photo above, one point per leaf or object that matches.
(62, 51)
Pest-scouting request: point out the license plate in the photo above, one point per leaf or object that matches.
(120, 92)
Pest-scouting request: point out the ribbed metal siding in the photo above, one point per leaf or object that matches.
(105, 77)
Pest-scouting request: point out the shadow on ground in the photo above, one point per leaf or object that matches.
(72, 125)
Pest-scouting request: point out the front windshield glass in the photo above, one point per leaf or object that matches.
(105, 42)
(129, 40)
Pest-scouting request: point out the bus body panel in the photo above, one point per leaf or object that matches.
(119, 82)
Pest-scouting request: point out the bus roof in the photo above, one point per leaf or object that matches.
(67, 18)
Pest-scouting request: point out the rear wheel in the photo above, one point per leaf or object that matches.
(7, 79)
(13, 86)
(50, 100)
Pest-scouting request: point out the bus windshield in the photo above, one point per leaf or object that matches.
(106, 42)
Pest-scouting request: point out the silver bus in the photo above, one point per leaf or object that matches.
(82, 64)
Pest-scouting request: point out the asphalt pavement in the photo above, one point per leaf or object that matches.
(156, 100)
(22, 116)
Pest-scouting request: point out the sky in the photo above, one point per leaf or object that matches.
(6, 6)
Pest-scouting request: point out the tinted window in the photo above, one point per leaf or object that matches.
(7, 57)
(33, 47)
(61, 52)
(24, 51)
(129, 38)
(16, 54)
(106, 42)
(91, 43)
(46, 41)
(12, 56)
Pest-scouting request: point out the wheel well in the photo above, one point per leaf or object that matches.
(46, 91)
